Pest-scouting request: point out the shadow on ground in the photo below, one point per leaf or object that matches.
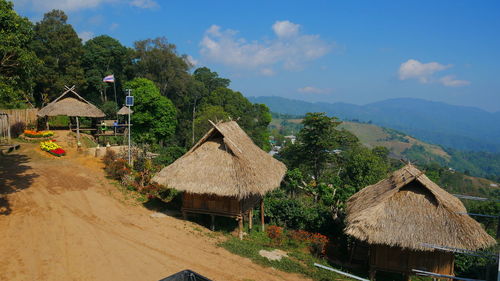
(14, 176)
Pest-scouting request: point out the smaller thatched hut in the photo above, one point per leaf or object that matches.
(125, 110)
(70, 103)
(400, 215)
(224, 174)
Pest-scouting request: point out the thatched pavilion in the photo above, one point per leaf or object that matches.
(401, 216)
(224, 174)
(70, 103)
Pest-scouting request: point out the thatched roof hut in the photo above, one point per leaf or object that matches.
(125, 110)
(224, 162)
(70, 103)
(224, 174)
(406, 212)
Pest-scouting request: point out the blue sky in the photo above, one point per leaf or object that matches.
(334, 51)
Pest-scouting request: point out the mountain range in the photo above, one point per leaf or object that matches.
(458, 127)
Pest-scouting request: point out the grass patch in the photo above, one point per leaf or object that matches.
(299, 260)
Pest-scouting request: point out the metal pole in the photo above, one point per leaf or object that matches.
(129, 128)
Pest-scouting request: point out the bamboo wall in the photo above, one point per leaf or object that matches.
(395, 259)
(27, 116)
(219, 205)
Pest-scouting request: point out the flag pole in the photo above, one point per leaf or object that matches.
(116, 100)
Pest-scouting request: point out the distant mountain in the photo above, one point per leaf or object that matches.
(458, 127)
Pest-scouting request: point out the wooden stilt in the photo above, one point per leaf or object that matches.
(250, 220)
(262, 214)
(184, 215)
(212, 226)
(240, 228)
(77, 133)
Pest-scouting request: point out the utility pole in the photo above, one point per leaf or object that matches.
(129, 101)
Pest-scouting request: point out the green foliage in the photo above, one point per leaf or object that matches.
(104, 55)
(168, 155)
(210, 79)
(109, 108)
(363, 167)
(18, 63)
(213, 113)
(56, 43)
(154, 117)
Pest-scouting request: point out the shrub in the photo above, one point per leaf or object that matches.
(17, 129)
(118, 169)
(275, 233)
(109, 157)
(316, 242)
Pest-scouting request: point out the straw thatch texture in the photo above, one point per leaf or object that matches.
(224, 162)
(125, 110)
(407, 210)
(70, 106)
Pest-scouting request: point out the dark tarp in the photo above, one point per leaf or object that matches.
(185, 275)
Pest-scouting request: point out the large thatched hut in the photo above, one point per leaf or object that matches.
(224, 174)
(402, 216)
(71, 104)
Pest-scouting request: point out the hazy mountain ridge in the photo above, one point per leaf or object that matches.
(458, 127)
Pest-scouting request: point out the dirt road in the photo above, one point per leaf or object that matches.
(59, 220)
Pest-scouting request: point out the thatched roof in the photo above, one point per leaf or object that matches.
(125, 111)
(224, 162)
(70, 103)
(407, 210)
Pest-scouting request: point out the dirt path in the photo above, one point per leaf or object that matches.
(59, 221)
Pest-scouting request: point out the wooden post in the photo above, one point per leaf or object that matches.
(77, 133)
(240, 228)
(184, 215)
(372, 274)
(212, 226)
(250, 220)
(262, 214)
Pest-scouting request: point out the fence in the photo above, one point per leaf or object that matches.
(8, 117)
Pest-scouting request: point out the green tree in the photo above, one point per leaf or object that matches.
(154, 118)
(18, 63)
(363, 167)
(213, 113)
(58, 46)
(210, 79)
(104, 55)
(317, 140)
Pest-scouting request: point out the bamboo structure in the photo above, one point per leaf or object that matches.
(398, 216)
(224, 174)
(75, 106)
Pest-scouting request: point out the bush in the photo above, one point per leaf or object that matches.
(17, 129)
(316, 242)
(116, 168)
(276, 234)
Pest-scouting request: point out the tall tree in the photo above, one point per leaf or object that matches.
(210, 79)
(104, 55)
(154, 115)
(58, 46)
(18, 63)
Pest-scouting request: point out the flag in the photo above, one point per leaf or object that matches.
(109, 79)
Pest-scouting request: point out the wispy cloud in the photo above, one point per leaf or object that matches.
(76, 5)
(144, 4)
(86, 35)
(190, 60)
(421, 71)
(290, 49)
(450, 81)
(313, 90)
(424, 73)
(113, 26)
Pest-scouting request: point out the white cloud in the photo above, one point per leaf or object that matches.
(421, 71)
(450, 81)
(75, 5)
(192, 61)
(65, 5)
(267, 72)
(286, 29)
(313, 90)
(144, 4)
(290, 49)
(113, 26)
(86, 35)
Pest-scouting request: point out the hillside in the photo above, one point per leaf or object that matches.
(457, 127)
(403, 146)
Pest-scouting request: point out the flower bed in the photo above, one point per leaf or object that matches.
(38, 134)
(52, 148)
